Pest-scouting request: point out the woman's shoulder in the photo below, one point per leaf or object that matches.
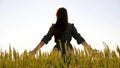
(52, 25)
(70, 24)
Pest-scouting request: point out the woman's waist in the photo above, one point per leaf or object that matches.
(62, 42)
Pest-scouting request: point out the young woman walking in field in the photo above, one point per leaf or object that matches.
(63, 32)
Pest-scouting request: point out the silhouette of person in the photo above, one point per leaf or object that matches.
(63, 31)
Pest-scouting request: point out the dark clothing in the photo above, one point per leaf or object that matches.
(66, 37)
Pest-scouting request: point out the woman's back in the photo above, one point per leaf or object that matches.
(65, 38)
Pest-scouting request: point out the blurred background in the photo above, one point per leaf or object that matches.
(23, 23)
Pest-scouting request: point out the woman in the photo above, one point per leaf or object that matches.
(62, 31)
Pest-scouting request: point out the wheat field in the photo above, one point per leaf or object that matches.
(77, 59)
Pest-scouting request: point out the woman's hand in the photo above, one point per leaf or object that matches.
(89, 49)
(32, 52)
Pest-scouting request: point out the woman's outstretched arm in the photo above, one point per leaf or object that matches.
(44, 40)
(37, 47)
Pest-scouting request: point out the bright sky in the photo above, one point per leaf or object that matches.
(23, 23)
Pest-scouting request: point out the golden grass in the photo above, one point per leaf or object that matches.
(76, 59)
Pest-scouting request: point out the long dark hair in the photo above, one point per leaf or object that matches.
(61, 22)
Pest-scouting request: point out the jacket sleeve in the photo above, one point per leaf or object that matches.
(76, 35)
(48, 36)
